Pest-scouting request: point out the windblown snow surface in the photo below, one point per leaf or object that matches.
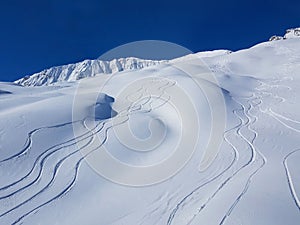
(253, 178)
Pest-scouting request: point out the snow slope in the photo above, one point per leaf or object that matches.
(51, 138)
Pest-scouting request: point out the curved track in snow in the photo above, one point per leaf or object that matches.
(289, 178)
(36, 173)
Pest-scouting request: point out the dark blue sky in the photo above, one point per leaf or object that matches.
(37, 34)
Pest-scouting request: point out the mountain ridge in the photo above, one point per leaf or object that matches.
(85, 68)
(92, 67)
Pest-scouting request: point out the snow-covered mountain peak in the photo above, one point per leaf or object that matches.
(290, 33)
(86, 68)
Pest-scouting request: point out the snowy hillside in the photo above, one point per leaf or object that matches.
(210, 138)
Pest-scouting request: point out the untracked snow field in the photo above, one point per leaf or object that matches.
(164, 144)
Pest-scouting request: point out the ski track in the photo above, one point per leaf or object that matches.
(55, 149)
(28, 142)
(285, 120)
(264, 160)
(290, 180)
(237, 130)
(251, 119)
(254, 152)
(127, 111)
(41, 165)
(182, 202)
